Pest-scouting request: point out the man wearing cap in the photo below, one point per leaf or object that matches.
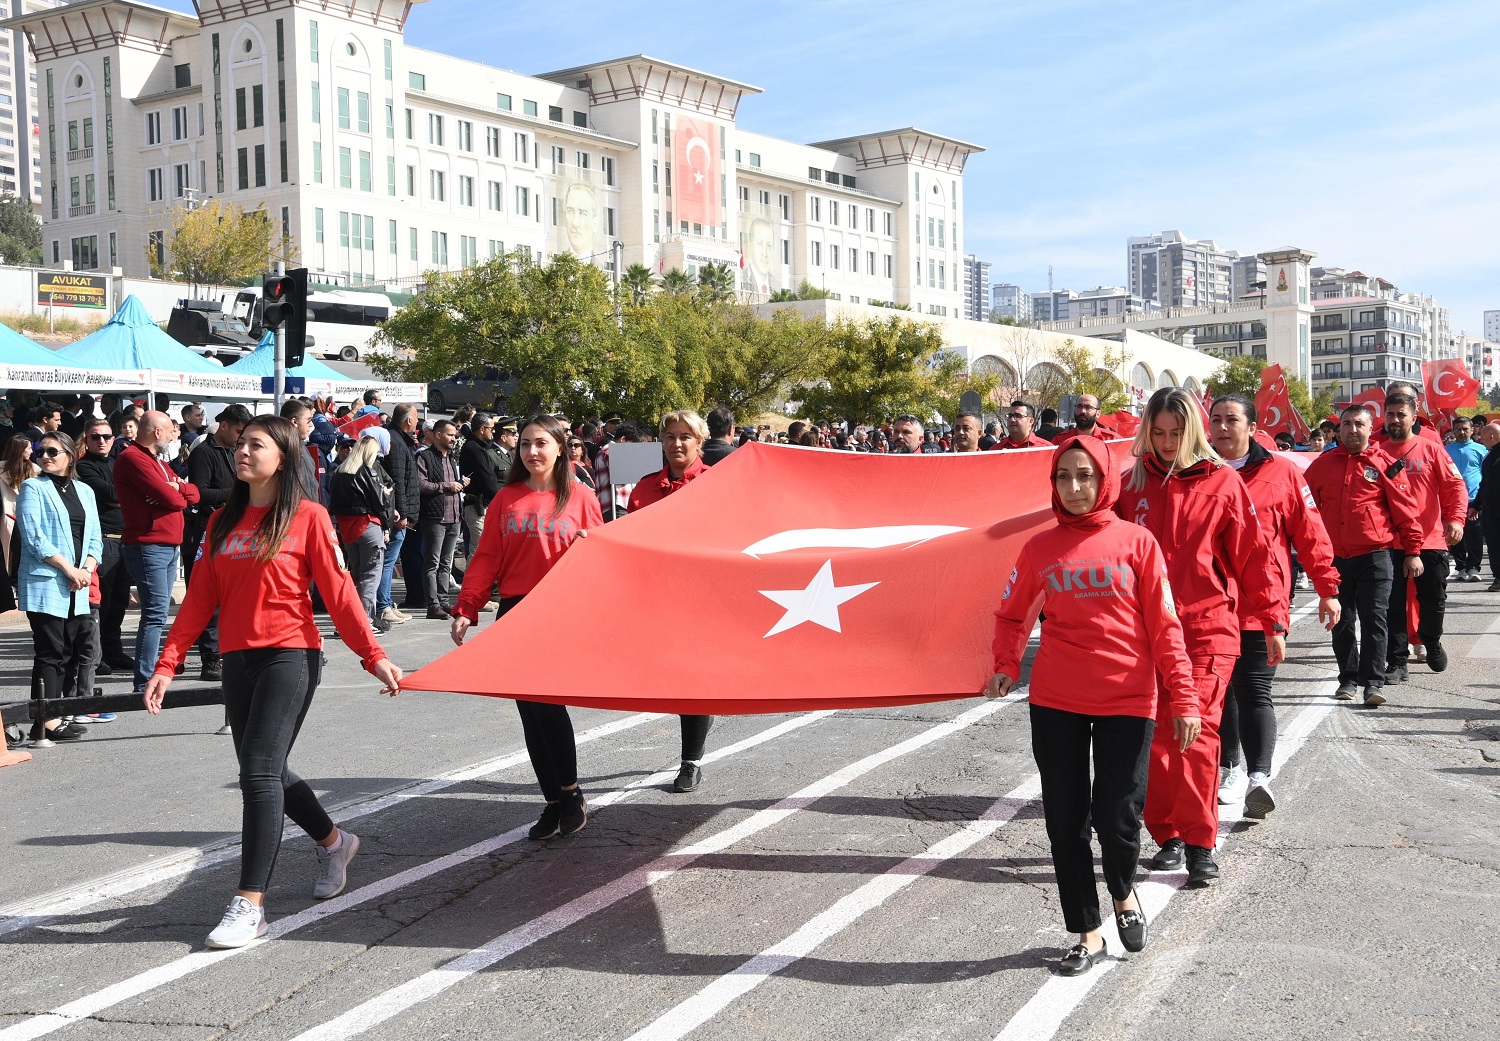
(210, 468)
(486, 463)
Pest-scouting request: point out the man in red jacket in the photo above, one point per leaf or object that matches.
(152, 501)
(1020, 425)
(1443, 499)
(1367, 507)
(1086, 421)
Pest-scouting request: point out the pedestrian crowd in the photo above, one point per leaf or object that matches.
(1169, 584)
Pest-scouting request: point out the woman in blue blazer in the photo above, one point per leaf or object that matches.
(60, 548)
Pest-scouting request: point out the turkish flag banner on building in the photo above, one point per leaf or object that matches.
(783, 579)
(1449, 385)
(695, 152)
(1273, 405)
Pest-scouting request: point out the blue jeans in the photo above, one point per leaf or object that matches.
(388, 570)
(153, 569)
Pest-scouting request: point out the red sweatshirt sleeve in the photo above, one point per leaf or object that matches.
(197, 610)
(336, 587)
(1310, 537)
(1250, 557)
(1168, 648)
(1014, 618)
(488, 561)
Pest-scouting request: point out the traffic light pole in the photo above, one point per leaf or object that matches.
(279, 390)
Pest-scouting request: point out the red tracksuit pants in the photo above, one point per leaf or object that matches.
(1182, 789)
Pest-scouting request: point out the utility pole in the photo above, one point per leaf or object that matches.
(279, 389)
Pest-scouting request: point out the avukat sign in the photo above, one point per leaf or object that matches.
(782, 580)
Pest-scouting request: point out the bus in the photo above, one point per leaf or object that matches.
(340, 322)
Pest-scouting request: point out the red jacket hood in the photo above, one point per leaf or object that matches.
(1109, 484)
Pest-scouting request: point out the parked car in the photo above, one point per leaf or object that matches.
(488, 391)
(203, 327)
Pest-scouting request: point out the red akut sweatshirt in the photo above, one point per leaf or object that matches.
(521, 542)
(1442, 497)
(1363, 508)
(1005, 444)
(1289, 515)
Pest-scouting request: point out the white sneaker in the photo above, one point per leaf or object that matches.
(1232, 783)
(1303, 582)
(333, 867)
(1419, 652)
(242, 923)
(1258, 800)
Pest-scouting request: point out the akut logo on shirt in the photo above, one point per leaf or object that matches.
(1090, 578)
(535, 524)
(240, 544)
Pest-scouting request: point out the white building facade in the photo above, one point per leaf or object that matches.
(382, 162)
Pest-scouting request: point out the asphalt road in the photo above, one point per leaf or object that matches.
(853, 875)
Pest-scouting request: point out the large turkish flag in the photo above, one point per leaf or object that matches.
(695, 151)
(783, 579)
(1449, 385)
(1273, 405)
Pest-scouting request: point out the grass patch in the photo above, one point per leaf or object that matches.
(29, 323)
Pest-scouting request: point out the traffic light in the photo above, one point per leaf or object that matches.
(284, 300)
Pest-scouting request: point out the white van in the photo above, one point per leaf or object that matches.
(341, 322)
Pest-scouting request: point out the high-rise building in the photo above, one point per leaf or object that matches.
(1478, 353)
(1010, 301)
(976, 289)
(383, 162)
(1492, 325)
(20, 116)
(1171, 270)
(1055, 305)
(1367, 333)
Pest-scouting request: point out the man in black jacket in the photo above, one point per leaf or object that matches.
(720, 427)
(442, 511)
(401, 464)
(210, 469)
(485, 463)
(96, 468)
(1486, 505)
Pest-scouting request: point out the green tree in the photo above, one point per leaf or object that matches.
(880, 368)
(20, 231)
(678, 283)
(755, 360)
(807, 291)
(716, 283)
(1241, 375)
(783, 296)
(639, 281)
(1084, 377)
(219, 243)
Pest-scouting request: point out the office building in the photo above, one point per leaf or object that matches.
(1171, 270)
(1010, 301)
(976, 289)
(1492, 325)
(1055, 305)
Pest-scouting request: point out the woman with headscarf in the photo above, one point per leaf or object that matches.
(1115, 624)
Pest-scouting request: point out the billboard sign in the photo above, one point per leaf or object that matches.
(69, 289)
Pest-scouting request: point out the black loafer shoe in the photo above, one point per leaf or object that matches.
(1202, 868)
(1373, 697)
(688, 778)
(1169, 857)
(1079, 960)
(1133, 928)
(1345, 692)
(1437, 658)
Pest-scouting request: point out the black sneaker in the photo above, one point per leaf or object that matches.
(67, 732)
(1396, 674)
(123, 663)
(213, 670)
(1495, 586)
(546, 825)
(1373, 697)
(1169, 857)
(575, 812)
(103, 669)
(1345, 692)
(1437, 657)
(1202, 868)
(688, 778)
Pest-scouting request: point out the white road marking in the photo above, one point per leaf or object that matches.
(718, 995)
(385, 1006)
(1488, 644)
(1042, 1016)
(40, 910)
(91, 1004)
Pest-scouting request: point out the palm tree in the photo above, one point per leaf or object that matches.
(640, 282)
(782, 296)
(716, 283)
(677, 283)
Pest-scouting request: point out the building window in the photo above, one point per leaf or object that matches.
(754, 158)
(343, 110)
(413, 243)
(392, 230)
(344, 228)
(522, 146)
(179, 180)
(492, 142)
(318, 225)
(440, 248)
(346, 167)
(581, 119)
(312, 40)
(437, 187)
(870, 262)
(243, 157)
(833, 257)
(114, 250)
(582, 160)
(260, 166)
(833, 212)
(465, 190)
(258, 105)
(390, 175)
(555, 113)
(502, 102)
(817, 208)
(390, 120)
(786, 251)
(317, 102)
(817, 254)
(362, 112)
(814, 173)
(528, 108)
(416, 81)
(497, 196)
(465, 136)
(559, 157)
(523, 202)
(179, 124)
(317, 160)
(153, 128)
(390, 61)
(434, 129)
(366, 173)
(411, 181)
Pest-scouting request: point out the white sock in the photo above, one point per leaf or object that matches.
(338, 843)
(692, 762)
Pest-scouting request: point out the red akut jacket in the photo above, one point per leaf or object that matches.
(1363, 509)
(1218, 558)
(1442, 496)
(660, 485)
(1289, 515)
(1032, 441)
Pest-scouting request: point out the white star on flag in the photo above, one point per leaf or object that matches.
(818, 603)
(698, 176)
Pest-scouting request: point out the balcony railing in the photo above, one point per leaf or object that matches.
(75, 154)
(86, 210)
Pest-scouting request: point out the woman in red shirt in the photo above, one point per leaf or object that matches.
(532, 520)
(1222, 569)
(1110, 617)
(682, 436)
(264, 550)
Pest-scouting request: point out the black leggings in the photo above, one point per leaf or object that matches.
(694, 735)
(549, 736)
(1249, 717)
(1061, 742)
(266, 696)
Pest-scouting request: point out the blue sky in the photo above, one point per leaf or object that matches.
(1365, 132)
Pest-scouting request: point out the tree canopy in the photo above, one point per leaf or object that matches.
(20, 231)
(219, 243)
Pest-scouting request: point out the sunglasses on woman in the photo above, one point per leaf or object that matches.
(50, 453)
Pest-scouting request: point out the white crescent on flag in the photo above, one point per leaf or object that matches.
(1273, 417)
(698, 142)
(1437, 384)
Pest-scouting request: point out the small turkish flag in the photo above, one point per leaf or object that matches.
(1449, 385)
(1125, 424)
(814, 579)
(352, 427)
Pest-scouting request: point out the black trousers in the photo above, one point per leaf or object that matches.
(414, 567)
(114, 594)
(208, 639)
(1468, 554)
(267, 693)
(60, 646)
(1432, 596)
(1062, 743)
(1489, 523)
(694, 735)
(549, 737)
(1364, 600)
(1249, 717)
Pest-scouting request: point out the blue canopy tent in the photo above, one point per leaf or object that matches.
(133, 340)
(262, 362)
(16, 349)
